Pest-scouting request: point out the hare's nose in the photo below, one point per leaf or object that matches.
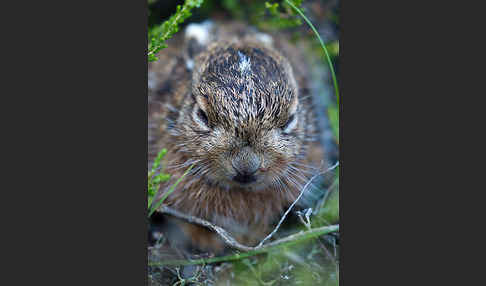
(246, 163)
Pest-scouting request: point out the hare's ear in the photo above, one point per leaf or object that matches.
(196, 38)
(261, 38)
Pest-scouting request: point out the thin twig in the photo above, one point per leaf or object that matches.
(230, 241)
(227, 238)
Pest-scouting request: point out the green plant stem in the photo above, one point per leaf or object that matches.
(333, 74)
(165, 36)
(287, 241)
(166, 194)
(160, 34)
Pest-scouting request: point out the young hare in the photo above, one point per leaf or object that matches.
(235, 104)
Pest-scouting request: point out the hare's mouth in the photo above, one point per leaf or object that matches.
(248, 183)
(245, 179)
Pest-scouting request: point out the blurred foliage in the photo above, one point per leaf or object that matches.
(333, 114)
(301, 264)
(329, 213)
(333, 48)
(272, 15)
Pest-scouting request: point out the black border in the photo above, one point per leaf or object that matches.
(79, 202)
(81, 83)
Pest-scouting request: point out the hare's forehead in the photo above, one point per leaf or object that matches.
(246, 74)
(243, 61)
(246, 82)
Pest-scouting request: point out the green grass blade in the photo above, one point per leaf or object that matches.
(333, 74)
(172, 188)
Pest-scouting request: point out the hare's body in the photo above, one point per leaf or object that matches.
(234, 103)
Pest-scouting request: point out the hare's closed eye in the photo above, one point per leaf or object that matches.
(290, 125)
(200, 117)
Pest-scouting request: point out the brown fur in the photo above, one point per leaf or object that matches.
(248, 92)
